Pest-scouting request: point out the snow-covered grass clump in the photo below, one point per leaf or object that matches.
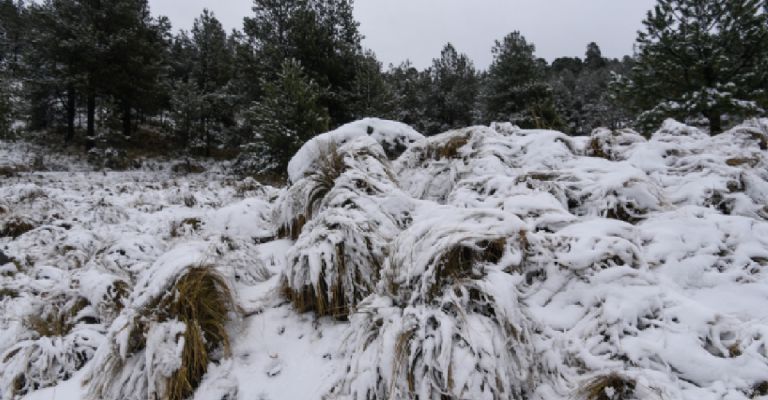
(482, 263)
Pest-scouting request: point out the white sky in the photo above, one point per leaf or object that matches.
(417, 29)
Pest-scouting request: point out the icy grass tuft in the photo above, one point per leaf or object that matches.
(162, 343)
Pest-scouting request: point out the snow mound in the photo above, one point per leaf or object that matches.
(394, 137)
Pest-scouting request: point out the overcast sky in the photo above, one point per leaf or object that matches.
(417, 29)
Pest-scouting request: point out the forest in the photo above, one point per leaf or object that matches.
(107, 77)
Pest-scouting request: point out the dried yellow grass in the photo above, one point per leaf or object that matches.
(201, 300)
(309, 298)
(329, 166)
(58, 321)
(447, 150)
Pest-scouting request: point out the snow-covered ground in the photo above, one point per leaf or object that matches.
(482, 263)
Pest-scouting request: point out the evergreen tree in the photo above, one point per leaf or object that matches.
(211, 73)
(370, 95)
(581, 91)
(12, 32)
(186, 112)
(56, 62)
(83, 49)
(574, 65)
(700, 58)
(289, 114)
(410, 88)
(12, 37)
(594, 57)
(181, 57)
(453, 92)
(516, 89)
(322, 35)
(135, 56)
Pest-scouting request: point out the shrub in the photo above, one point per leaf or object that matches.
(162, 344)
(61, 341)
(30, 365)
(450, 246)
(311, 190)
(444, 283)
(336, 261)
(435, 352)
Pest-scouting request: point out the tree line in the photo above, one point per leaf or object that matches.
(103, 73)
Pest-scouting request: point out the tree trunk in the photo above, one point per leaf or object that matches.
(71, 111)
(715, 122)
(207, 134)
(91, 134)
(126, 120)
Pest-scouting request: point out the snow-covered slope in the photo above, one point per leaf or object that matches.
(482, 263)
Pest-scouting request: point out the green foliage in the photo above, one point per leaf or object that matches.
(582, 92)
(322, 35)
(700, 58)
(438, 99)
(87, 49)
(409, 88)
(453, 92)
(13, 38)
(515, 88)
(201, 99)
(209, 92)
(289, 114)
(370, 96)
(6, 107)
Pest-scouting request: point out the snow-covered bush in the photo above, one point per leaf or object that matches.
(447, 246)
(162, 342)
(34, 364)
(535, 198)
(434, 352)
(611, 145)
(597, 187)
(431, 169)
(307, 196)
(336, 261)
(59, 332)
(446, 281)
(495, 263)
(337, 256)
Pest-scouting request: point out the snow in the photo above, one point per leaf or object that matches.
(390, 134)
(486, 262)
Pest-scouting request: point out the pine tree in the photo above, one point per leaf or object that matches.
(370, 95)
(186, 106)
(289, 114)
(410, 88)
(211, 74)
(135, 51)
(56, 62)
(12, 33)
(322, 35)
(594, 57)
(516, 89)
(581, 91)
(83, 49)
(452, 93)
(12, 38)
(700, 58)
